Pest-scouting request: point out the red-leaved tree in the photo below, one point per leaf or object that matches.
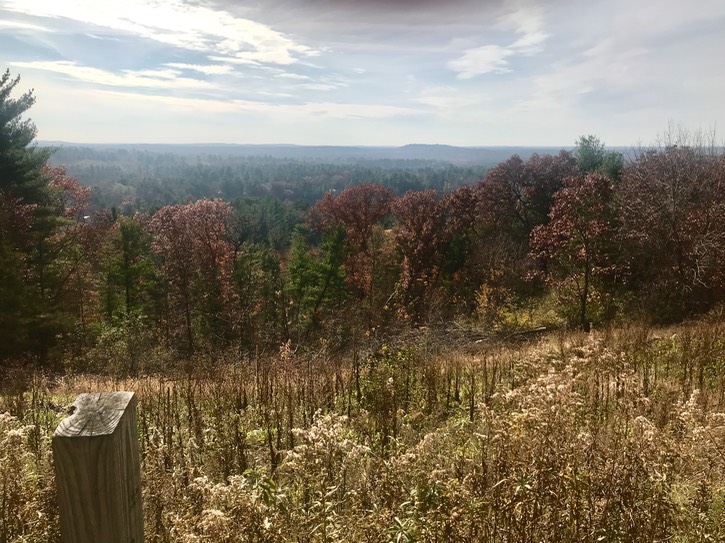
(517, 194)
(422, 237)
(460, 268)
(194, 242)
(514, 198)
(577, 245)
(359, 210)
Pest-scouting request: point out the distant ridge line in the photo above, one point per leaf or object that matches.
(478, 156)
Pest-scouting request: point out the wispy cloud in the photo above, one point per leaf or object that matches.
(234, 60)
(526, 21)
(177, 23)
(206, 69)
(19, 25)
(150, 79)
(282, 111)
(319, 86)
(287, 75)
(482, 60)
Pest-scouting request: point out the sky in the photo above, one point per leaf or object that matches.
(367, 72)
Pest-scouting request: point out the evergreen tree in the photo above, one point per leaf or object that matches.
(21, 162)
(592, 157)
(26, 215)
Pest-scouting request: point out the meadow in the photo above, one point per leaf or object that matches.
(616, 435)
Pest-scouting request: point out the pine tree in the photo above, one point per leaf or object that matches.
(25, 212)
(21, 162)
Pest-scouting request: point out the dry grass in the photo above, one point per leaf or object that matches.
(613, 436)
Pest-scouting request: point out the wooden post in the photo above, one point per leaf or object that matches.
(97, 470)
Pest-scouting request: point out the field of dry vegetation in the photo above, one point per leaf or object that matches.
(293, 384)
(610, 436)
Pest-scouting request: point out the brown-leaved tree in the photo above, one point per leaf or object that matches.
(577, 245)
(197, 264)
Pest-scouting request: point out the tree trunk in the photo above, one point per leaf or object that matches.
(584, 323)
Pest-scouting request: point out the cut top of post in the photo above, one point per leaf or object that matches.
(95, 414)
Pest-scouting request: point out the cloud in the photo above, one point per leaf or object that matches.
(174, 22)
(632, 65)
(319, 86)
(482, 60)
(270, 56)
(17, 25)
(527, 21)
(471, 72)
(299, 77)
(282, 111)
(208, 69)
(530, 43)
(151, 79)
(233, 60)
(523, 18)
(176, 104)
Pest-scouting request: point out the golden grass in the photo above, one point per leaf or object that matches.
(612, 436)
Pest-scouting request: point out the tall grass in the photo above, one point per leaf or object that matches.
(612, 436)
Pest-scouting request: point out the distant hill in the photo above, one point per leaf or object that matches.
(469, 156)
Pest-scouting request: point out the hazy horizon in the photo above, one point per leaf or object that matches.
(44, 142)
(503, 73)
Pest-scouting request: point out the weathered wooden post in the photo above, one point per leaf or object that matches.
(97, 470)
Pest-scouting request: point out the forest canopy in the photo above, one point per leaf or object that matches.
(233, 255)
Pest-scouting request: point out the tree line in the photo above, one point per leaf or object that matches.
(143, 180)
(581, 237)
